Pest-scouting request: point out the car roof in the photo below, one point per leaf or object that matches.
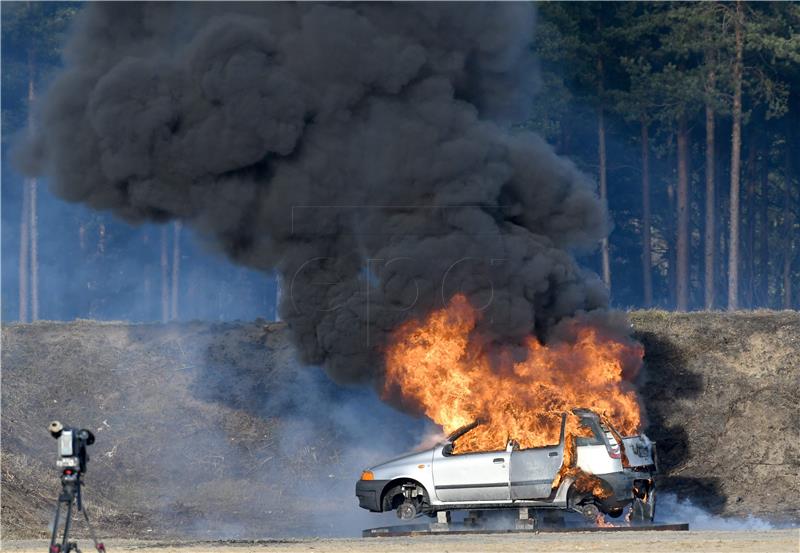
(456, 434)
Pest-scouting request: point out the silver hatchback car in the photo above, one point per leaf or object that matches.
(620, 471)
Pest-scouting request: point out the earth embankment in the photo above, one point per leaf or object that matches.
(213, 429)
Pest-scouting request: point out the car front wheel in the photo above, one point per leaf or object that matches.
(407, 499)
(406, 511)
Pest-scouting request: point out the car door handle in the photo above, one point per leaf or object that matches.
(553, 454)
(498, 460)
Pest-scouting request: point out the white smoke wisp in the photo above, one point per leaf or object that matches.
(672, 510)
(432, 436)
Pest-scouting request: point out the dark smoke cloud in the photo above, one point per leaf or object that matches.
(361, 149)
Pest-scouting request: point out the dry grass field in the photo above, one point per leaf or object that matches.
(211, 430)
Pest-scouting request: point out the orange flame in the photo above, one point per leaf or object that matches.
(583, 481)
(600, 522)
(437, 366)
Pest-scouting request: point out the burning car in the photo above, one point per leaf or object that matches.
(591, 470)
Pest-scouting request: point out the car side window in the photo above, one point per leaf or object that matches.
(555, 424)
(461, 444)
(589, 433)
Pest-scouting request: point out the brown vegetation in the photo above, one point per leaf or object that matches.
(720, 393)
(182, 450)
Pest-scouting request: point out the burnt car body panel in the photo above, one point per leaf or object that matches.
(533, 470)
(473, 477)
(369, 494)
(437, 479)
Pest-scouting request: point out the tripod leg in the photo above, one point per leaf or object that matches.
(55, 527)
(67, 520)
(97, 545)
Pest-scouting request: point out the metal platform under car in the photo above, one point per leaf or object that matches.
(527, 522)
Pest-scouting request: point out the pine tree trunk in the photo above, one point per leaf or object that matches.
(601, 152)
(710, 232)
(176, 268)
(28, 236)
(749, 275)
(24, 251)
(647, 261)
(147, 282)
(32, 207)
(101, 239)
(682, 253)
(82, 236)
(601, 133)
(278, 296)
(670, 229)
(788, 232)
(563, 140)
(736, 153)
(164, 275)
(34, 222)
(764, 230)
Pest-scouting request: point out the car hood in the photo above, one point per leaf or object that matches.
(401, 465)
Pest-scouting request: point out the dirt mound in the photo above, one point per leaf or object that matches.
(214, 430)
(180, 447)
(720, 391)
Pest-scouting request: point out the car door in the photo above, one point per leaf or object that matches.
(532, 471)
(471, 477)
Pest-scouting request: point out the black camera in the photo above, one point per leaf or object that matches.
(72, 443)
(72, 459)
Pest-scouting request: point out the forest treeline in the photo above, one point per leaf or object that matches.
(65, 261)
(687, 115)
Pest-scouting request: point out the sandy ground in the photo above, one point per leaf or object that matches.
(774, 541)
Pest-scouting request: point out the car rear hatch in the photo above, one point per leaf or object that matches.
(640, 452)
(635, 452)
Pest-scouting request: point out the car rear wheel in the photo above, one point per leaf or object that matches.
(590, 511)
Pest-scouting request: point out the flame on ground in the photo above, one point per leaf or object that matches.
(438, 366)
(601, 522)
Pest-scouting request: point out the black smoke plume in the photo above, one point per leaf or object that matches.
(362, 150)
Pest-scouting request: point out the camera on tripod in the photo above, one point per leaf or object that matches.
(72, 459)
(72, 444)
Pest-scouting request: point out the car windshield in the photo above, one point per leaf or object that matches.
(467, 440)
(460, 441)
(463, 430)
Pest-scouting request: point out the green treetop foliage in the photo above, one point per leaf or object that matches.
(32, 37)
(37, 27)
(772, 54)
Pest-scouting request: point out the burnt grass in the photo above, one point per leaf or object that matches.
(191, 423)
(720, 394)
